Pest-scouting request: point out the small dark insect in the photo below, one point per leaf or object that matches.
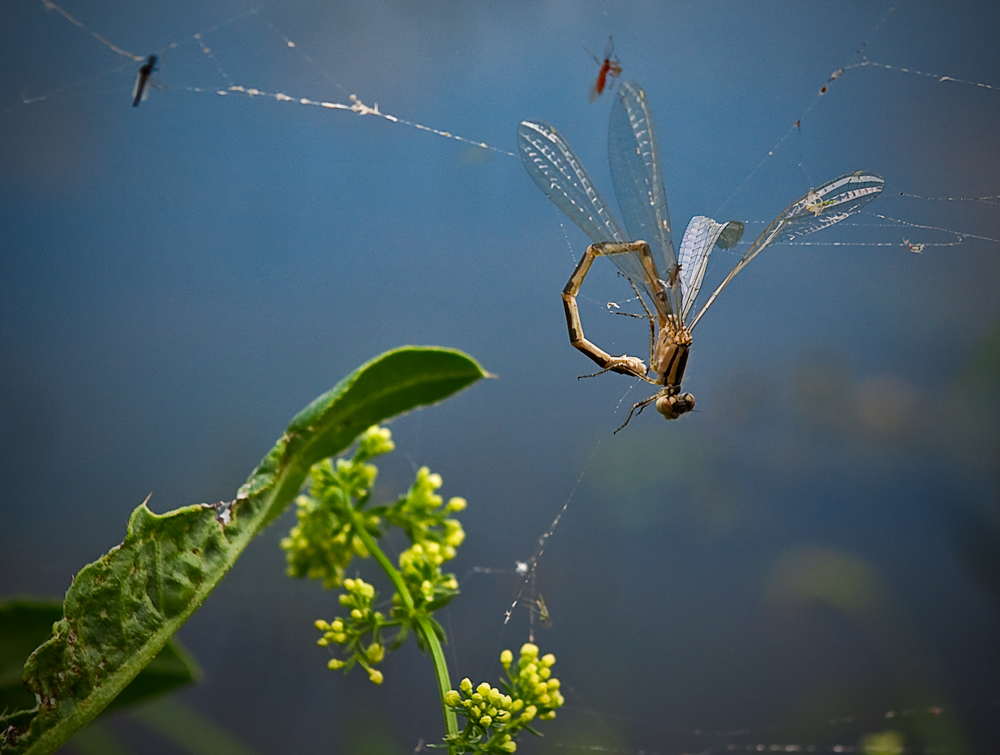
(610, 68)
(142, 80)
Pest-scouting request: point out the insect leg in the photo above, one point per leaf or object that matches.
(640, 406)
(623, 364)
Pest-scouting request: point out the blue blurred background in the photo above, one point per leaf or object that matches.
(819, 540)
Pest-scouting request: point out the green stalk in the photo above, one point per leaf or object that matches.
(424, 625)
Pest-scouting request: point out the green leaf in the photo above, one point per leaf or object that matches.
(122, 609)
(25, 623)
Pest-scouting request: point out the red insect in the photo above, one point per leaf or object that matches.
(610, 69)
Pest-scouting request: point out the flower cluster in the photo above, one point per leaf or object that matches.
(350, 633)
(334, 525)
(421, 515)
(435, 536)
(495, 718)
(324, 541)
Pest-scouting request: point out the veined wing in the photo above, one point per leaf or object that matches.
(701, 236)
(820, 208)
(557, 171)
(637, 175)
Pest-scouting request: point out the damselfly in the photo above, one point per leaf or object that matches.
(670, 282)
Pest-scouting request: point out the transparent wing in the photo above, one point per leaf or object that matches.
(553, 165)
(820, 208)
(701, 236)
(637, 175)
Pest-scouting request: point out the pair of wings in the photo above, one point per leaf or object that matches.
(637, 175)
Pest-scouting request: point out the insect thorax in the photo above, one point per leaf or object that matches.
(670, 353)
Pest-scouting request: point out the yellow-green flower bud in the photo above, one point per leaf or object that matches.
(333, 664)
(375, 652)
(321, 625)
(529, 713)
(356, 614)
(553, 684)
(375, 675)
(376, 441)
(509, 746)
(323, 641)
(548, 659)
(544, 673)
(466, 685)
(485, 721)
(349, 584)
(452, 698)
(516, 705)
(529, 649)
(506, 658)
(483, 689)
(337, 626)
(457, 504)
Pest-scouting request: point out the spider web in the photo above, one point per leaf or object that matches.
(233, 71)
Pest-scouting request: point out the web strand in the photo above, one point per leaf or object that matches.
(798, 122)
(355, 105)
(51, 6)
(532, 562)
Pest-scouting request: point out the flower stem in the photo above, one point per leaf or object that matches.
(424, 624)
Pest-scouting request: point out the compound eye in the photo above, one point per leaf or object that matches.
(666, 405)
(673, 407)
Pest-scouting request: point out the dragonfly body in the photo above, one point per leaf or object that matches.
(666, 282)
(671, 341)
